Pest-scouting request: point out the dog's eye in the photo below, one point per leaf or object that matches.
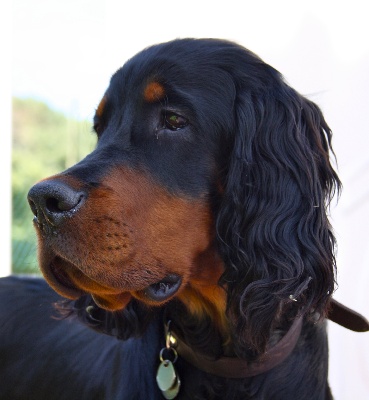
(96, 128)
(97, 125)
(174, 121)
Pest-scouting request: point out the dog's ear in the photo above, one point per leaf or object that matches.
(272, 226)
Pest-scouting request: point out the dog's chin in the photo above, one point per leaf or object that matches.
(155, 294)
(112, 302)
(70, 282)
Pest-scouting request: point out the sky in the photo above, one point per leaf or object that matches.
(64, 52)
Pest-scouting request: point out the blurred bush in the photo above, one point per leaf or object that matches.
(44, 142)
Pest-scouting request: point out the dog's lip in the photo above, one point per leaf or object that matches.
(60, 281)
(70, 282)
(163, 289)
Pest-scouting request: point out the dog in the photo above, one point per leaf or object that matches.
(195, 236)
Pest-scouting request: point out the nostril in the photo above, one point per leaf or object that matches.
(52, 205)
(62, 204)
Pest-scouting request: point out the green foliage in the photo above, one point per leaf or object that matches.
(45, 142)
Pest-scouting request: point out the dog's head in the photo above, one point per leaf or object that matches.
(209, 183)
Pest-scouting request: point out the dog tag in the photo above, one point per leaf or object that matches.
(173, 391)
(166, 376)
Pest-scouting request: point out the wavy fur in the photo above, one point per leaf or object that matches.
(263, 152)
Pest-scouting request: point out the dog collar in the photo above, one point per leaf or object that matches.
(347, 317)
(234, 367)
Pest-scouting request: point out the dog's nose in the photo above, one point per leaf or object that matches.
(52, 202)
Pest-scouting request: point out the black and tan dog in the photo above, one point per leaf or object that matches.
(196, 233)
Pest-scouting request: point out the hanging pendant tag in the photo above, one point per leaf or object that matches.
(168, 380)
(173, 391)
(166, 375)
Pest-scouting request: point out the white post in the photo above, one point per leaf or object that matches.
(5, 138)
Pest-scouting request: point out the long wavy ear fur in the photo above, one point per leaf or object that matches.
(273, 228)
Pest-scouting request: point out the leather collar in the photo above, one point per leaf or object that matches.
(347, 317)
(233, 367)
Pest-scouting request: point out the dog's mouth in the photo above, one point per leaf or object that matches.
(70, 282)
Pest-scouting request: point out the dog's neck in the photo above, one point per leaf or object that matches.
(204, 302)
(202, 337)
(204, 299)
(200, 319)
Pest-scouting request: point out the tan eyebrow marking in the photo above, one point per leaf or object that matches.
(154, 91)
(100, 107)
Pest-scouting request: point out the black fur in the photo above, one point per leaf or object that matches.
(260, 152)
